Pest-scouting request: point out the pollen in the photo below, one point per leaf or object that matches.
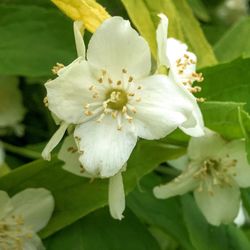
(215, 172)
(13, 233)
(114, 98)
(57, 68)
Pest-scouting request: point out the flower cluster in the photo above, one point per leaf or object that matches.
(111, 98)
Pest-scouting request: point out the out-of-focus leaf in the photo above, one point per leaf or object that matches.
(163, 214)
(33, 40)
(43, 3)
(98, 231)
(181, 218)
(214, 31)
(74, 195)
(200, 10)
(228, 82)
(223, 117)
(235, 42)
(206, 237)
(182, 25)
(114, 7)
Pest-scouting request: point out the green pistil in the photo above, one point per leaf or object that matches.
(117, 99)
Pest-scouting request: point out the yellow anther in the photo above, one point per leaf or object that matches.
(57, 67)
(130, 79)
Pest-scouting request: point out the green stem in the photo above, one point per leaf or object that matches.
(21, 151)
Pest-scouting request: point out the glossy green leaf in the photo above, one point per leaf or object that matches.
(200, 10)
(74, 195)
(223, 117)
(207, 237)
(182, 25)
(228, 82)
(163, 214)
(33, 40)
(99, 231)
(235, 42)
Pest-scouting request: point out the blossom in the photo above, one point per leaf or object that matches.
(11, 108)
(22, 216)
(181, 63)
(216, 171)
(112, 99)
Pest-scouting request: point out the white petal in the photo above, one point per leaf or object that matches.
(11, 108)
(161, 38)
(179, 186)
(175, 50)
(235, 150)
(80, 46)
(181, 163)
(116, 196)
(105, 148)
(206, 146)
(70, 155)
(221, 207)
(241, 218)
(53, 142)
(116, 46)
(194, 126)
(33, 243)
(162, 107)
(5, 204)
(35, 205)
(69, 92)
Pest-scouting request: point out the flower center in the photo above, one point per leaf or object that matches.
(118, 99)
(114, 98)
(215, 172)
(185, 67)
(13, 232)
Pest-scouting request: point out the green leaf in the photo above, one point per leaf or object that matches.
(237, 239)
(235, 42)
(44, 3)
(182, 25)
(223, 117)
(73, 194)
(228, 82)
(200, 10)
(33, 40)
(163, 214)
(207, 237)
(99, 231)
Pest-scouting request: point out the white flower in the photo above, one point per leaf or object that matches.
(22, 216)
(181, 63)
(11, 107)
(111, 98)
(216, 171)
